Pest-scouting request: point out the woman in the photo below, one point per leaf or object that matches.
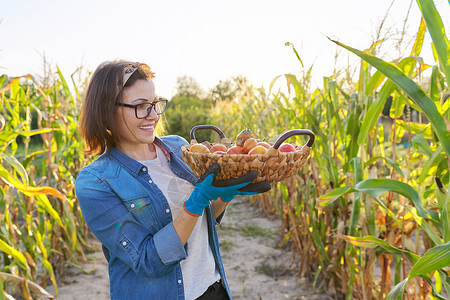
(155, 219)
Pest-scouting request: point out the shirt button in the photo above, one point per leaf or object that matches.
(132, 205)
(179, 280)
(124, 243)
(167, 210)
(144, 169)
(150, 181)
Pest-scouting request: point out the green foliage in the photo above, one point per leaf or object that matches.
(185, 112)
(378, 184)
(188, 108)
(42, 228)
(372, 197)
(231, 89)
(187, 86)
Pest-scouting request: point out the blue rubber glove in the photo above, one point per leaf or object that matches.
(207, 189)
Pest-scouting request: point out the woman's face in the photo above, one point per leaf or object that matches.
(133, 131)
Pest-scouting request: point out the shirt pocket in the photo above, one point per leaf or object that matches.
(144, 212)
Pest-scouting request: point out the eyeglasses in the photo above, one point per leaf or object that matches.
(143, 110)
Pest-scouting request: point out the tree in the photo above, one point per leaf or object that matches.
(187, 86)
(188, 108)
(233, 88)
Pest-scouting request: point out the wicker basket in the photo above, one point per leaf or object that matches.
(272, 166)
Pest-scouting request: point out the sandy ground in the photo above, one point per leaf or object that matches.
(255, 267)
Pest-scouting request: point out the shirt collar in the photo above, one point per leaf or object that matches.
(132, 165)
(163, 147)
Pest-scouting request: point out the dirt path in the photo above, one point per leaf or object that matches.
(88, 284)
(255, 268)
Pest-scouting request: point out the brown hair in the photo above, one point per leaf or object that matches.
(97, 125)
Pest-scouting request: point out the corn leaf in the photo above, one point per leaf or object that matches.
(397, 292)
(45, 204)
(292, 80)
(9, 85)
(372, 242)
(445, 279)
(398, 105)
(445, 214)
(330, 197)
(273, 82)
(39, 190)
(437, 157)
(374, 112)
(375, 80)
(317, 240)
(74, 84)
(436, 258)
(34, 287)
(356, 210)
(2, 80)
(29, 158)
(36, 131)
(49, 268)
(17, 166)
(418, 42)
(437, 31)
(425, 226)
(421, 145)
(435, 94)
(416, 128)
(376, 187)
(295, 51)
(29, 190)
(352, 132)
(64, 83)
(6, 136)
(375, 109)
(17, 255)
(413, 90)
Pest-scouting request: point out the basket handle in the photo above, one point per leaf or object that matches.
(216, 129)
(292, 132)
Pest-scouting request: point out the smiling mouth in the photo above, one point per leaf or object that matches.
(147, 127)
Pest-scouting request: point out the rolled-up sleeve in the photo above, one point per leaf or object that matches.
(152, 255)
(168, 245)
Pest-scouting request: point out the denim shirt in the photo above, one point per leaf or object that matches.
(131, 217)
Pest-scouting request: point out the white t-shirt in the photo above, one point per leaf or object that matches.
(199, 269)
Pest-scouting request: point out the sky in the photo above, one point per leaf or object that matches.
(208, 40)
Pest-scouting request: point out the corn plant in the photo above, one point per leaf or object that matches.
(42, 229)
(369, 209)
(433, 221)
